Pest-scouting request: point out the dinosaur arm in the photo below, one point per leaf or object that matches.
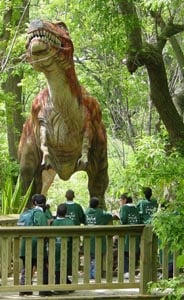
(43, 144)
(40, 123)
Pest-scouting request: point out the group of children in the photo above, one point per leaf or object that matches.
(140, 213)
(71, 213)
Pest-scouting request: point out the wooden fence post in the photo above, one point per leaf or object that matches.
(146, 258)
(154, 257)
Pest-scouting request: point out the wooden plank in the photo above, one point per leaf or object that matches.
(75, 258)
(165, 261)
(16, 261)
(176, 270)
(86, 258)
(98, 259)
(40, 246)
(132, 243)
(109, 258)
(63, 260)
(146, 258)
(4, 260)
(51, 275)
(28, 261)
(121, 246)
(154, 257)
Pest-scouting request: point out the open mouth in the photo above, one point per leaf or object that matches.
(40, 40)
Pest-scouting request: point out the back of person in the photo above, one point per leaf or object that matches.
(74, 210)
(129, 214)
(97, 216)
(38, 219)
(147, 207)
(62, 220)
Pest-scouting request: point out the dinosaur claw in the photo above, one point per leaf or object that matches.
(45, 167)
(81, 164)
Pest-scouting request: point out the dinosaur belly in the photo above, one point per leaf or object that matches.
(64, 142)
(64, 162)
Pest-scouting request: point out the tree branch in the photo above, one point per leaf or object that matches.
(134, 35)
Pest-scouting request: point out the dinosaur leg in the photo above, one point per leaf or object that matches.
(98, 177)
(30, 165)
(47, 179)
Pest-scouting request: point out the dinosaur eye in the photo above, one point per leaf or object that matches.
(62, 25)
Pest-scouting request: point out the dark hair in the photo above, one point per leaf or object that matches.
(94, 202)
(124, 196)
(39, 199)
(34, 197)
(69, 195)
(129, 199)
(147, 192)
(61, 210)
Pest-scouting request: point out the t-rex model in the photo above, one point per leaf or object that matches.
(65, 132)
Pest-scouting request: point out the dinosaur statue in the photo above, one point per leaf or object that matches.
(64, 132)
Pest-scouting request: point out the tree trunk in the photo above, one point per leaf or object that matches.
(139, 54)
(10, 86)
(13, 112)
(163, 102)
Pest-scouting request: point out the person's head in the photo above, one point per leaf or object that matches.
(39, 200)
(34, 197)
(61, 210)
(129, 199)
(147, 192)
(94, 202)
(70, 195)
(123, 199)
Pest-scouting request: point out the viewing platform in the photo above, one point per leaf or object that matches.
(109, 282)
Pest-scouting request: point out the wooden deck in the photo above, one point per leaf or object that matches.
(85, 295)
(101, 294)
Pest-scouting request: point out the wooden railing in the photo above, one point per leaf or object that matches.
(105, 277)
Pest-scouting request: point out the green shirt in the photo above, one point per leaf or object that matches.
(63, 222)
(39, 220)
(129, 214)
(146, 209)
(48, 215)
(97, 217)
(75, 212)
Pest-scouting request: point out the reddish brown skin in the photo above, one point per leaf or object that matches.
(65, 132)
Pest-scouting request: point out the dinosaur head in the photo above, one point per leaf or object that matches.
(48, 43)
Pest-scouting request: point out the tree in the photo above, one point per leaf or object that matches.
(13, 24)
(143, 53)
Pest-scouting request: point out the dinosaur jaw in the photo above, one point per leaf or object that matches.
(38, 47)
(41, 54)
(46, 44)
(40, 40)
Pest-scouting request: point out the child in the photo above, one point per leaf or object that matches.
(96, 216)
(62, 220)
